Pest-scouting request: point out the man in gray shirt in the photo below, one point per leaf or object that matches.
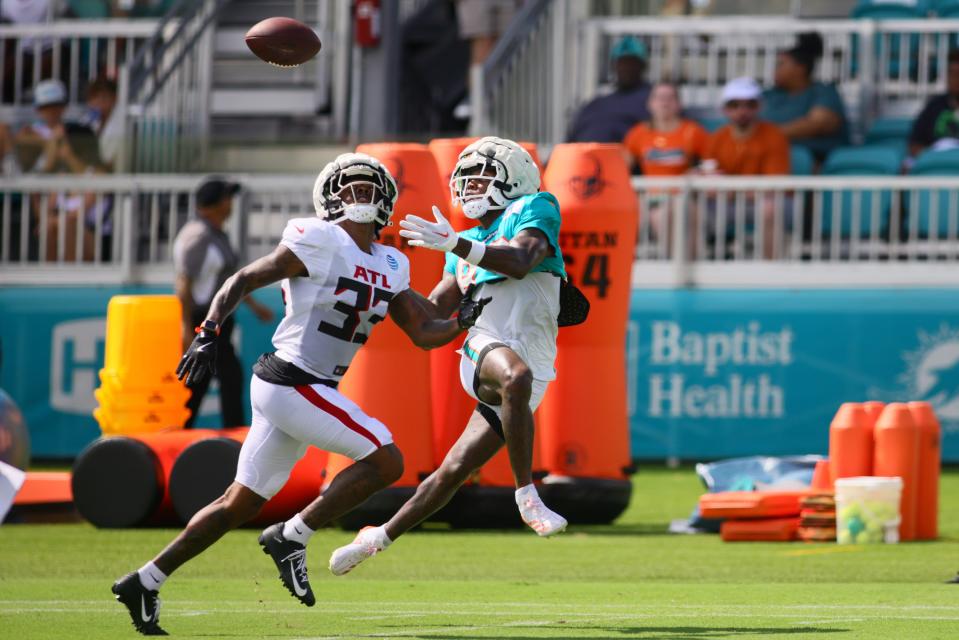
(203, 259)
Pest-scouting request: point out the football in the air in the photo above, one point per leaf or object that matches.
(284, 42)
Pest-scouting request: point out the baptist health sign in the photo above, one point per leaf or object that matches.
(726, 373)
(711, 373)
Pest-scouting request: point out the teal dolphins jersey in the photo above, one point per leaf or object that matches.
(537, 211)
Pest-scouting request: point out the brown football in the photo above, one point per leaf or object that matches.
(284, 42)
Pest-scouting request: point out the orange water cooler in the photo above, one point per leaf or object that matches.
(390, 377)
(585, 431)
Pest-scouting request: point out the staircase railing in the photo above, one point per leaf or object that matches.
(165, 92)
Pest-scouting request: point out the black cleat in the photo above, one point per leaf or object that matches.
(143, 604)
(290, 559)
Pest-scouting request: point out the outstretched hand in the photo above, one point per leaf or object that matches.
(470, 310)
(199, 361)
(438, 235)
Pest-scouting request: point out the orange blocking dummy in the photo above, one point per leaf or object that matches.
(451, 405)
(897, 455)
(389, 377)
(851, 442)
(124, 481)
(930, 461)
(585, 433)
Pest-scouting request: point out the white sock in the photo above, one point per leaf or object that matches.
(380, 539)
(150, 577)
(525, 493)
(296, 530)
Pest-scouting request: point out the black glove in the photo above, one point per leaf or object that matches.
(470, 309)
(199, 361)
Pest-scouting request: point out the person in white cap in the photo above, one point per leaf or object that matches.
(747, 146)
(37, 143)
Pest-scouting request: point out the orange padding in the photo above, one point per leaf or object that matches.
(766, 530)
(751, 504)
(45, 487)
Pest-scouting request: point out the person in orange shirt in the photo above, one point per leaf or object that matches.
(747, 146)
(667, 145)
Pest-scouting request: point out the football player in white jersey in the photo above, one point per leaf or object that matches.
(513, 256)
(337, 283)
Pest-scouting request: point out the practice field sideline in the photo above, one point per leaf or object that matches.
(624, 581)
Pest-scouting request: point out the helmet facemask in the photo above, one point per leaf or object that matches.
(360, 192)
(483, 169)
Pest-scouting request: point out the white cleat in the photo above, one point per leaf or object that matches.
(364, 546)
(538, 516)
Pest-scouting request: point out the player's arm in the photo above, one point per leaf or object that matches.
(523, 253)
(200, 358)
(280, 264)
(446, 296)
(417, 317)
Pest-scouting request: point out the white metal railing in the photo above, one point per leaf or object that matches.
(75, 51)
(797, 231)
(524, 80)
(696, 231)
(165, 92)
(885, 67)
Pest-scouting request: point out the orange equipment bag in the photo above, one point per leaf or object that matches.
(751, 504)
(763, 530)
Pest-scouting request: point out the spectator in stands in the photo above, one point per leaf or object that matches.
(37, 143)
(7, 162)
(203, 259)
(746, 146)
(937, 125)
(667, 145)
(482, 22)
(101, 102)
(608, 118)
(810, 113)
(79, 212)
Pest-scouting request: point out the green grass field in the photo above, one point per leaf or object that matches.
(630, 580)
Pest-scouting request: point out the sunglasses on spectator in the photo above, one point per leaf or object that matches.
(735, 104)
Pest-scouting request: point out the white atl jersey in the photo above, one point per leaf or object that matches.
(330, 313)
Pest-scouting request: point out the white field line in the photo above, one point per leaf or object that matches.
(759, 612)
(483, 607)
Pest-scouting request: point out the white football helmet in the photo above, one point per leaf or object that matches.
(508, 169)
(372, 188)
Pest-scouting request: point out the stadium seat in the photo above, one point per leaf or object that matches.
(891, 131)
(934, 222)
(946, 8)
(712, 123)
(800, 161)
(891, 10)
(858, 161)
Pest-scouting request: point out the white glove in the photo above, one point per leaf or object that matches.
(437, 235)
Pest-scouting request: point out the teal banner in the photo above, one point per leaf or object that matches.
(721, 373)
(711, 374)
(52, 344)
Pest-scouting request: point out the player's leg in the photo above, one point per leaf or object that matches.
(321, 416)
(139, 591)
(502, 375)
(505, 380)
(475, 446)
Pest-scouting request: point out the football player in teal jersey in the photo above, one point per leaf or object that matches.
(512, 257)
